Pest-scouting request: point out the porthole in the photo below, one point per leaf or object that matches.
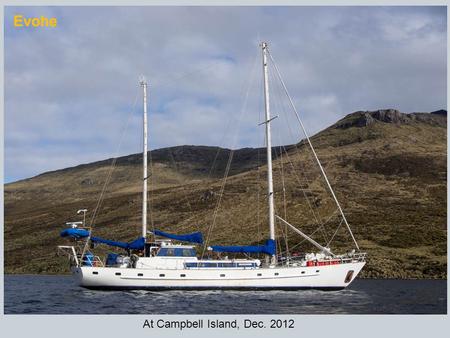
(259, 274)
(118, 274)
(303, 272)
(182, 275)
(140, 274)
(162, 275)
(349, 276)
(276, 273)
(317, 270)
(222, 275)
(95, 272)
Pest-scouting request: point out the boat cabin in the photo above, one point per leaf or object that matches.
(167, 249)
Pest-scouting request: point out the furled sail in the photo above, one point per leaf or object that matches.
(268, 248)
(75, 233)
(195, 237)
(137, 244)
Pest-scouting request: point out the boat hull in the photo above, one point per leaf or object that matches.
(329, 277)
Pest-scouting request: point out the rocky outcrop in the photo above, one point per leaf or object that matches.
(441, 112)
(365, 118)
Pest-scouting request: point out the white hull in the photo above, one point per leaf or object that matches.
(317, 277)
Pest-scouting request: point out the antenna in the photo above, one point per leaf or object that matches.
(84, 211)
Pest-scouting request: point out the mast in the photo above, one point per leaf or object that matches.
(269, 148)
(143, 83)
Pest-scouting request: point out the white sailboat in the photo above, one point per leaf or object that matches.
(171, 264)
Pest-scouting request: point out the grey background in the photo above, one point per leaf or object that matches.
(128, 326)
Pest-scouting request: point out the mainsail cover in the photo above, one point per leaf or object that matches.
(75, 233)
(269, 248)
(137, 244)
(195, 237)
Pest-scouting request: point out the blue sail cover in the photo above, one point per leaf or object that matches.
(75, 233)
(137, 244)
(195, 237)
(269, 248)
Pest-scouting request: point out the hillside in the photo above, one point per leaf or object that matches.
(388, 169)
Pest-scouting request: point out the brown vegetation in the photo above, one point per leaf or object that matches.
(388, 170)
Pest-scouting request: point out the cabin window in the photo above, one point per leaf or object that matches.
(182, 275)
(162, 275)
(222, 275)
(317, 270)
(188, 253)
(94, 272)
(166, 252)
(118, 274)
(303, 272)
(259, 274)
(140, 274)
(177, 252)
(227, 265)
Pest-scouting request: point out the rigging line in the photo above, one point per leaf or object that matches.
(183, 186)
(303, 190)
(275, 209)
(258, 162)
(301, 242)
(279, 157)
(230, 158)
(218, 202)
(222, 142)
(314, 152)
(316, 214)
(282, 110)
(331, 216)
(180, 182)
(172, 80)
(111, 169)
(284, 233)
(335, 233)
(317, 217)
(151, 190)
(113, 163)
(278, 102)
(284, 200)
(311, 234)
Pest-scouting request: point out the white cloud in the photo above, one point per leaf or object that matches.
(71, 88)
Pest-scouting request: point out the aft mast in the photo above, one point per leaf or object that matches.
(269, 150)
(143, 83)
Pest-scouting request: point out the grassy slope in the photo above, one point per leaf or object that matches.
(389, 177)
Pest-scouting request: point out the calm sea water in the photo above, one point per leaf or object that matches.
(59, 295)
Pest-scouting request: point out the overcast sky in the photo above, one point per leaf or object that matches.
(70, 91)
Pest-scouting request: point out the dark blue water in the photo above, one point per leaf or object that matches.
(59, 294)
